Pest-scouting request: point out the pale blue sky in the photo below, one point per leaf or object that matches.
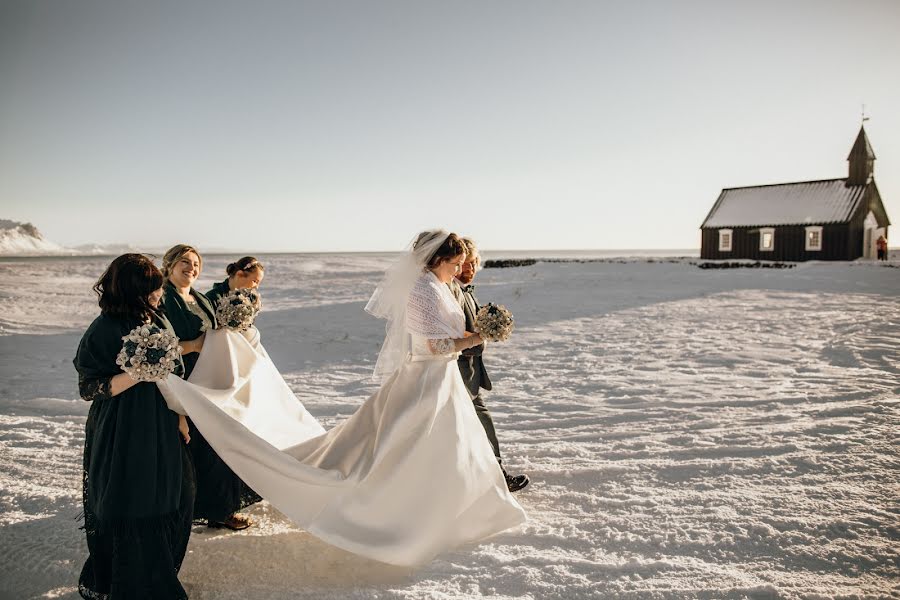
(315, 126)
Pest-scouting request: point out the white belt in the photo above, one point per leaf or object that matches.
(422, 357)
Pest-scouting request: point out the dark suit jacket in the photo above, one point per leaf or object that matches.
(471, 365)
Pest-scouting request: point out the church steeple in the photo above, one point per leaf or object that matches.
(862, 160)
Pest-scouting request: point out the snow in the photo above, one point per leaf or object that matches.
(24, 238)
(689, 433)
(805, 203)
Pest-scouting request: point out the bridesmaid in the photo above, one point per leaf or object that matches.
(247, 272)
(138, 480)
(220, 493)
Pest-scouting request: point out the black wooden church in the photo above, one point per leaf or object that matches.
(832, 219)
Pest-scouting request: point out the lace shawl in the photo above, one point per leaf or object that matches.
(433, 313)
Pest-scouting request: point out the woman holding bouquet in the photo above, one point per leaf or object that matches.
(244, 273)
(220, 493)
(138, 479)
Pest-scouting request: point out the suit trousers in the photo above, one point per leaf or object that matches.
(484, 415)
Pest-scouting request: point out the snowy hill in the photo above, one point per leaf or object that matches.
(24, 238)
(111, 249)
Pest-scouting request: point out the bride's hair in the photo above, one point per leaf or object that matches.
(451, 247)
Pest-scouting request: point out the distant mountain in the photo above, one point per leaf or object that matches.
(25, 239)
(112, 249)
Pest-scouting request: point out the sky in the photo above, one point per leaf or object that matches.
(349, 126)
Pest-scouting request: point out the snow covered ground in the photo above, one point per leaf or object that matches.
(689, 433)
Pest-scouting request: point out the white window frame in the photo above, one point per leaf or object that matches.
(762, 239)
(810, 230)
(723, 247)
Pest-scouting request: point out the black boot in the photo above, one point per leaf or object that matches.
(514, 483)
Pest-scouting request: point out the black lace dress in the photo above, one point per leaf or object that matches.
(220, 492)
(138, 478)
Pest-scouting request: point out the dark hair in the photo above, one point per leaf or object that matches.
(248, 264)
(125, 287)
(176, 253)
(452, 246)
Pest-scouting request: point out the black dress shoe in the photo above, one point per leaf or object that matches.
(516, 482)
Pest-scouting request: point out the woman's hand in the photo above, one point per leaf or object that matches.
(183, 429)
(121, 382)
(470, 341)
(474, 338)
(195, 345)
(455, 345)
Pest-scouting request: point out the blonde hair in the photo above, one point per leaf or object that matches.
(175, 254)
(472, 250)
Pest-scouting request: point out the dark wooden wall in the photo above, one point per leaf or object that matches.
(790, 244)
(856, 237)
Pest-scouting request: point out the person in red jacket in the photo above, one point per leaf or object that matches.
(882, 247)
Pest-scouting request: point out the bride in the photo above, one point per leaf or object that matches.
(411, 473)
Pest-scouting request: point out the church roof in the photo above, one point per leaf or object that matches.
(803, 203)
(861, 147)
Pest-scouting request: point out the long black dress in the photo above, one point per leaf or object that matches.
(138, 479)
(220, 493)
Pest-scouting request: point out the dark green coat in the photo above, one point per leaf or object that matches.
(220, 492)
(186, 324)
(218, 290)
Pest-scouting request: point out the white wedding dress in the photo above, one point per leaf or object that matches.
(409, 475)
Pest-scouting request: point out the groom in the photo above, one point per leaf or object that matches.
(471, 365)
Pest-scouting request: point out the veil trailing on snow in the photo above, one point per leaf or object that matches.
(389, 299)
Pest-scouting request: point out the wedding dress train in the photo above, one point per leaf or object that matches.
(410, 474)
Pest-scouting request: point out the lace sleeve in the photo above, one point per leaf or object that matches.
(94, 388)
(442, 346)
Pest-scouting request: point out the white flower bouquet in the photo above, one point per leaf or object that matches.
(494, 322)
(149, 353)
(238, 308)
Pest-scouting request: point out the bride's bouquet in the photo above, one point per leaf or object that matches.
(238, 308)
(149, 353)
(494, 322)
